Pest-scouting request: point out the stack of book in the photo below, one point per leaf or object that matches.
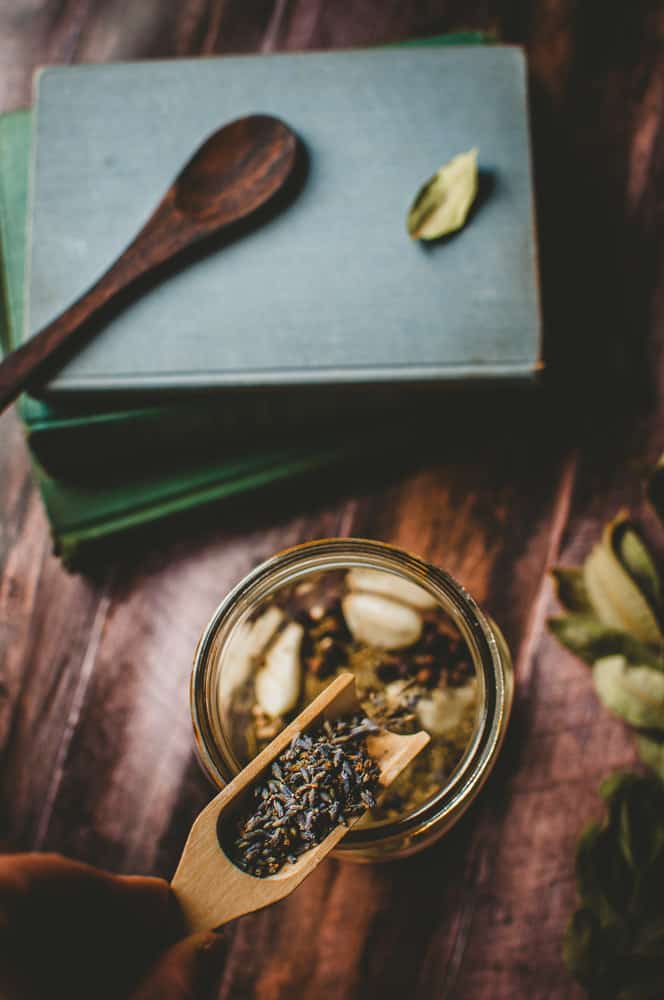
(291, 349)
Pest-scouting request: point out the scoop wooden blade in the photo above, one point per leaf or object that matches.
(211, 889)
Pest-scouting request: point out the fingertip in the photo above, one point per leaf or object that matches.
(209, 949)
(189, 969)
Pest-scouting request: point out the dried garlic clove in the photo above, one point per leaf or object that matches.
(278, 682)
(381, 622)
(390, 585)
(248, 642)
(263, 628)
(445, 710)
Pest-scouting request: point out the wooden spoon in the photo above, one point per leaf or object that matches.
(236, 171)
(210, 888)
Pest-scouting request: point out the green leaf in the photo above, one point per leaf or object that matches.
(648, 899)
(627, 835)
(603, 878)
(649, 941)
(588, 881)
(571, 589)
(614, 943)
(636, 694)
(632, 552)
(595, 955)
(641, 835)
(591, 640)
(651, 990)
(616, 598)
(636, 816)
(621, 793)
(580, 946)
(613, 788)
(656, 489)
(442, 204)
(651, 751)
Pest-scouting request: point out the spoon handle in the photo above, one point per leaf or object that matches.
(27, 361)
(151, 247)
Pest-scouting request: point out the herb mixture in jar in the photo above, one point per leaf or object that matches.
(412, 671)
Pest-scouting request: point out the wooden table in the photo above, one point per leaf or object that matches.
(94, 719)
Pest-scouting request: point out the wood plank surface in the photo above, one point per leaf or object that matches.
(94, 723)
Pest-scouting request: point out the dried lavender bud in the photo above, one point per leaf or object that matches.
(324, 778)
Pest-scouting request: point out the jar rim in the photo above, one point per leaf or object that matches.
(478, 631)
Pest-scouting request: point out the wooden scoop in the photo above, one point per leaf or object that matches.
(210, 888)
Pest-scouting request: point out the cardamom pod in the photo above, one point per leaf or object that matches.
(442, 204)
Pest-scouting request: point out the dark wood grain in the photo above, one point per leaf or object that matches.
(237, 170)
(94, 724)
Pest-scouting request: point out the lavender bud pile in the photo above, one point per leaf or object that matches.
(324, 778)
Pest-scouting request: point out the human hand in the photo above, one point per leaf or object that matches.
(70, 930)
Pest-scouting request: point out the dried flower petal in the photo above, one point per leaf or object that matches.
(325, 777)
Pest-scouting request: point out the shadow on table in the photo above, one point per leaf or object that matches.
(487, 430)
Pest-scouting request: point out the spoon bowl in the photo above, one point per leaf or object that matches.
(237, 169)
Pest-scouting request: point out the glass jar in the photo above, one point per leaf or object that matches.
(304, 567)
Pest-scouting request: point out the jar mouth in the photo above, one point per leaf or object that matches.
(220, 762)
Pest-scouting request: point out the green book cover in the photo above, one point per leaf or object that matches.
(15, 129)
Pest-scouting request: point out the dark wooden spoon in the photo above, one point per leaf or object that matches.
(236, 171)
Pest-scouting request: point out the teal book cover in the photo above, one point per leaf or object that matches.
(330, 292)
(86, 440)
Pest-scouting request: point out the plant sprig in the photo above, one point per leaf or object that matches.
(614, 607)
(614, 942)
